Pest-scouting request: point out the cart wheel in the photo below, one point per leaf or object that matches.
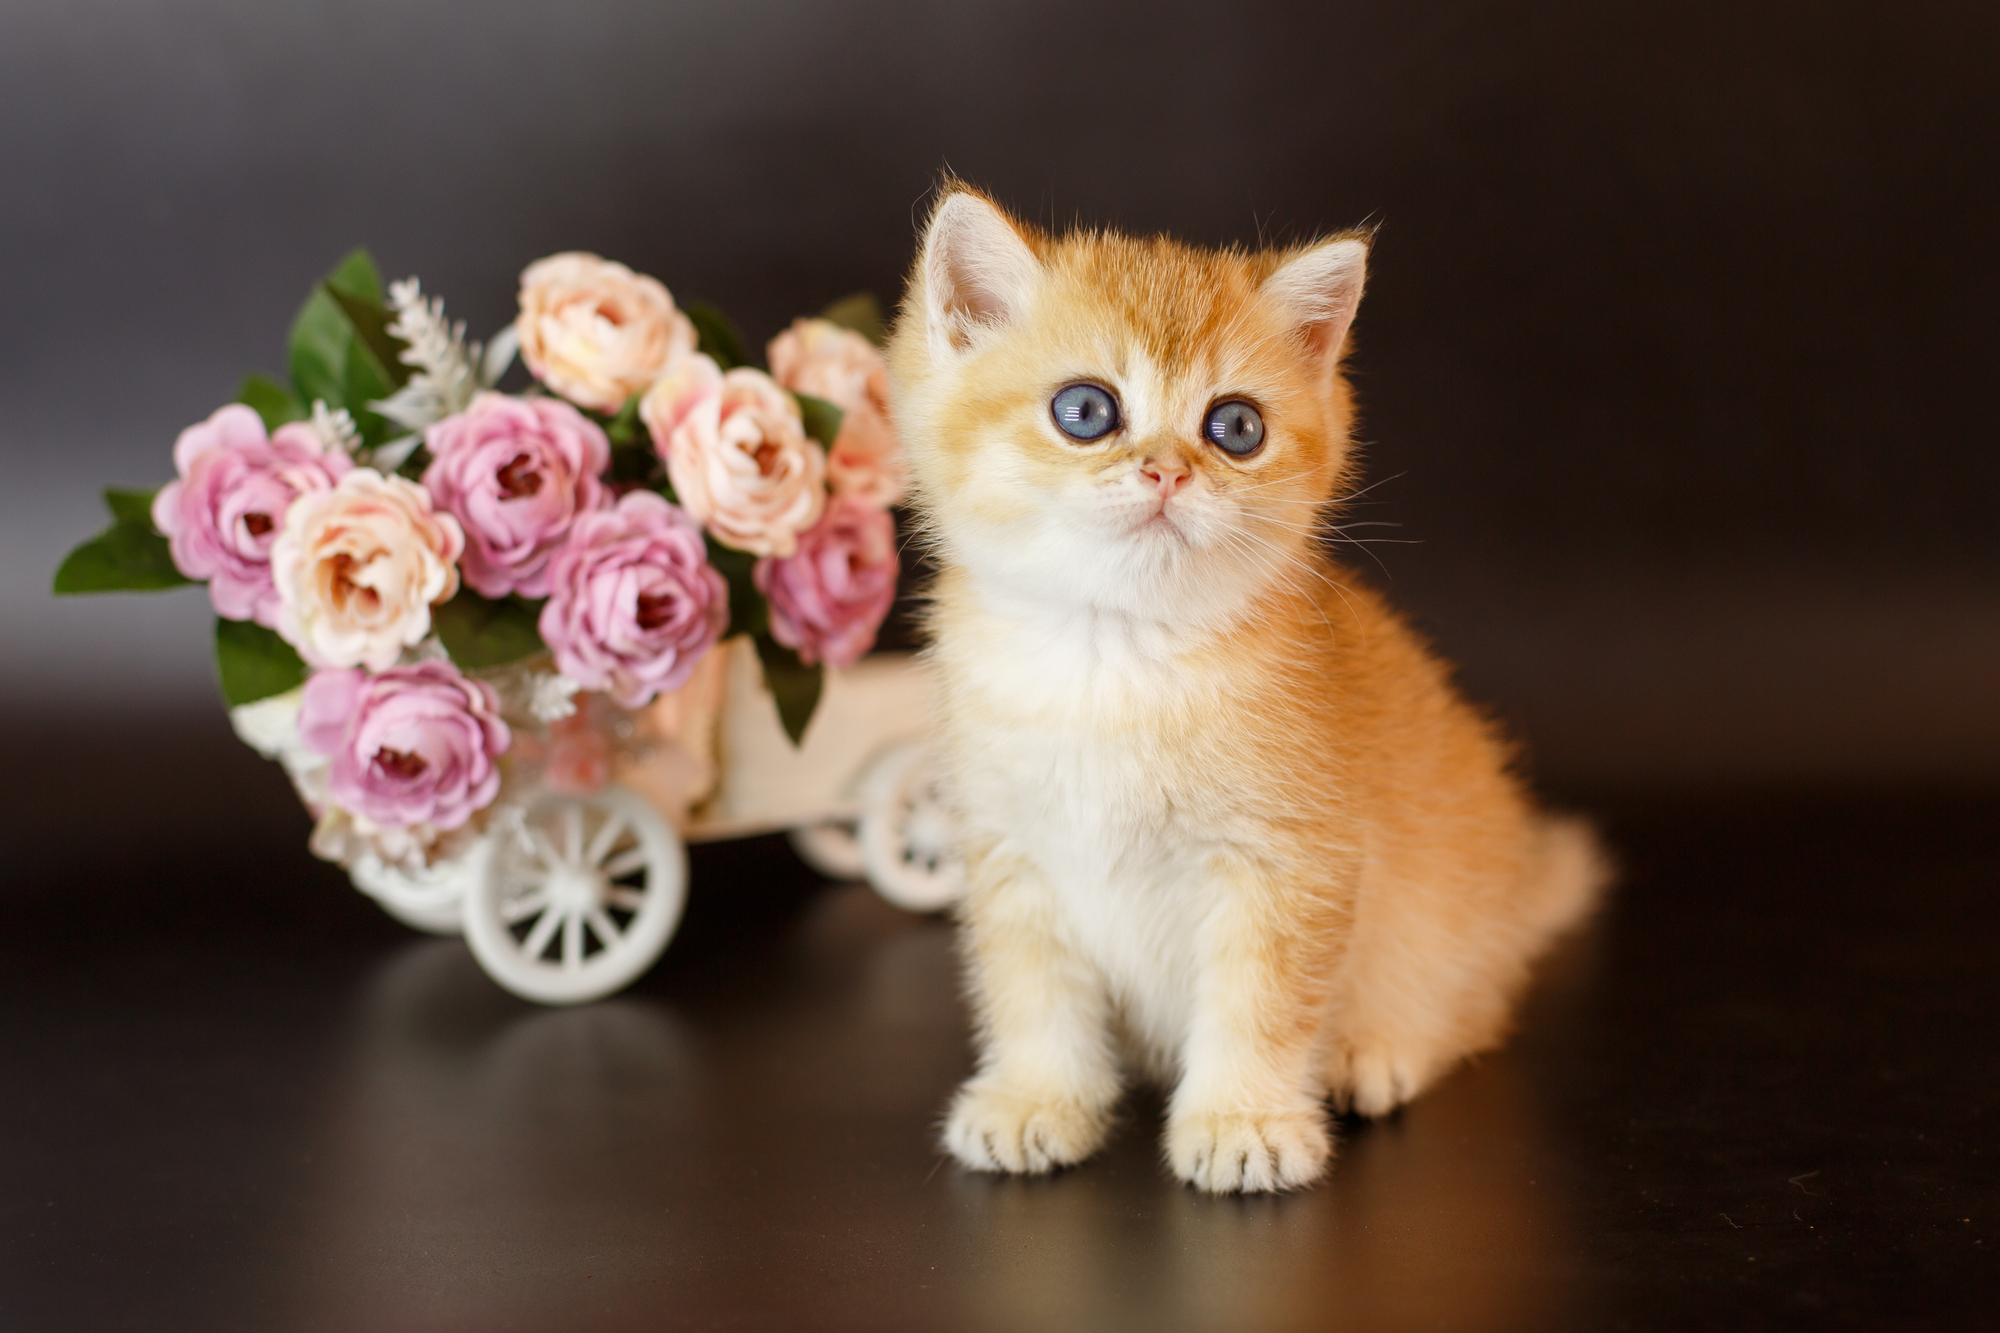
(578, 897)
(427, 899)
(906, 833)
(832, 848)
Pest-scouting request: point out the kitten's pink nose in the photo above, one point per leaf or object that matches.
(1168, 474)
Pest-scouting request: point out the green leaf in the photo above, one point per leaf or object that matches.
(253, 662)
(374, 368)
(128, 556)
(794, 685)
(626, 427)
(480, 632)
(330, 359)
(122, 558)
(272, 400)
(371, 326)
(748, 613)
(715, 335)
(366, 383)
(320, 338)
(357, 276)
(862, 313)
(131, 506)
(822, 419)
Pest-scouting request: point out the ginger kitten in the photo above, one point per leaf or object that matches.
(1221, 810)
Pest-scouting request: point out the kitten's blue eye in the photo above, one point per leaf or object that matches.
(1085, 411)
(1235, 428)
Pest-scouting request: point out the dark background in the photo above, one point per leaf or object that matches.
(1677, 362)
(1678, 370)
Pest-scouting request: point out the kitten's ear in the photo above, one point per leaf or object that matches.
(978, 271)
(1319, 290)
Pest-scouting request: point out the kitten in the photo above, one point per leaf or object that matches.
(1219, 807)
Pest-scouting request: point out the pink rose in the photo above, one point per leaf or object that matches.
(818, 357)
(359, 567)
(224, 512)
(737, 454)
(515, 472)
(633, 602)
(413, 745)
(595, 331)
(828, 600)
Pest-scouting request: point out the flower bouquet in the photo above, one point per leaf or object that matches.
(430, 593)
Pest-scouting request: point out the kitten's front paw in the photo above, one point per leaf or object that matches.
(1375, 1082)
(992, 1129)
(1230, 1152)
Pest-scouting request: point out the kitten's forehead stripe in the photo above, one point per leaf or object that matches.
(1176, 301)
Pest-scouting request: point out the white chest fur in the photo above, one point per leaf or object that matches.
(1061, 731)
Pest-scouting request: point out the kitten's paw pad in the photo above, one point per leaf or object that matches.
(991, 1129)
(1230, 1152)
(1373, 1083)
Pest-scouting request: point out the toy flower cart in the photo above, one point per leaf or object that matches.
(515, 650)
(574, 882)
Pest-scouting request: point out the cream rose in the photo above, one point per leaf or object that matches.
(358, 568)
(818, 357)
(595, 331)
(737, 454)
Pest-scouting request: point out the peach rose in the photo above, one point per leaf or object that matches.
(737, 454)
(358, 568)
(818, 357)
(595, 331)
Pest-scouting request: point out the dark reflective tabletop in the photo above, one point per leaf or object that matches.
(1759, 1092)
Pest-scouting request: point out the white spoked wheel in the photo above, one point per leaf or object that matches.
(832, 848)
(429, 899)
(906, 833)
(578, 897)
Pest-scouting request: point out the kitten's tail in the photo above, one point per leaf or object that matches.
(1567, 877)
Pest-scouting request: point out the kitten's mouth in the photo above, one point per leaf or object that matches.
(1160, 522)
